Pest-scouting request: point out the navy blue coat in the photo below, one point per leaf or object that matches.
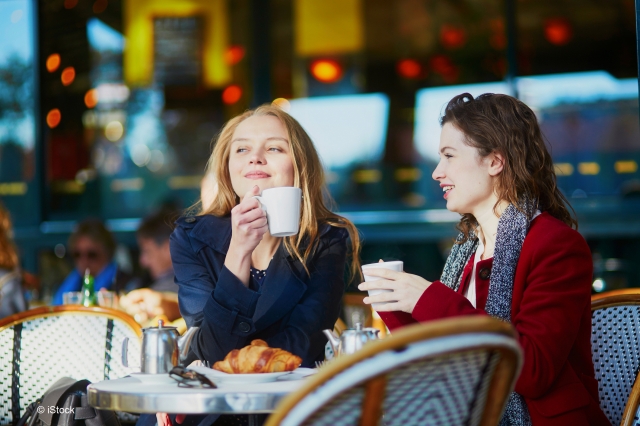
(290, 310)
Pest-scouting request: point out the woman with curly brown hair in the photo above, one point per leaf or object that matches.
(12, 298)
(518, 257)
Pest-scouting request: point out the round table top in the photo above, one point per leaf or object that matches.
(160, 393)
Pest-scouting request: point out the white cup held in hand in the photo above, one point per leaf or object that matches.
(396, 265)
(282, 206)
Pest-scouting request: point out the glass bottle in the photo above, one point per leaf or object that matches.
(88, 290)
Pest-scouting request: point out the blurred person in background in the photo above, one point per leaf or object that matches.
(12, 299)
(160, 298)
(92, 247)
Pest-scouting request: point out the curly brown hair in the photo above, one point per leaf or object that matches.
(8, 253)
(495, 123)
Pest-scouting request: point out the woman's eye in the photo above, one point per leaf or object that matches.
(448, 156)
(275, 149)
(241, 149)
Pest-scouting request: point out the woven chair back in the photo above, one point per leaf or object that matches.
(615, 348)
(450, 372)
(39, 346)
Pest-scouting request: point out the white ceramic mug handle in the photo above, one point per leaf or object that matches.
(260, 200)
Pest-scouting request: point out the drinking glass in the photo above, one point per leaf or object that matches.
(72, 298)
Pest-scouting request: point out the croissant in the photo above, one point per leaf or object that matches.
(258, 357)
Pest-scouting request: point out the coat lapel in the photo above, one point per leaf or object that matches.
(281, 290)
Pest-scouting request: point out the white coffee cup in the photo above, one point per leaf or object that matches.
(282, 206)
(395, 265)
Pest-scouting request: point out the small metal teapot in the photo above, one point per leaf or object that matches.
(352, 339)
(162, 348)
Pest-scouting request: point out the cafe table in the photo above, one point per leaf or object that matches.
(140, 393)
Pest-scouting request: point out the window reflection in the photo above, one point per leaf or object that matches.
(17, 134)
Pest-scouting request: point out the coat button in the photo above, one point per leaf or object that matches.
(190, 219)
(485, 273)
(244, 327)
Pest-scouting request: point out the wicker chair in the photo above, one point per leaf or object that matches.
(450, 372)
(615, 347)
(39, 346)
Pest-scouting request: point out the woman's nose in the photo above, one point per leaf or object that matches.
(438, 173)
(257, 157)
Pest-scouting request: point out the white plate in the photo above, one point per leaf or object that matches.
(219, 377)
(152, 378)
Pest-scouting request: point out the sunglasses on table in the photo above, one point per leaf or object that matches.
(190, 379)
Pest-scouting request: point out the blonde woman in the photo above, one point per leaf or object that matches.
(238, 282)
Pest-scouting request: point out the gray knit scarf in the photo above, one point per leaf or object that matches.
(512, 229)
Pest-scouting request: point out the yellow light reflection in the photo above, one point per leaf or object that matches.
(13, 188)
(408, 174)
(629, 166)
(138, 30)
(563, 169)
(588, 168)
(367, 176)
(114, 131)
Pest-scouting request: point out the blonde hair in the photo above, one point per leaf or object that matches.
(8, 253)
(308, 176)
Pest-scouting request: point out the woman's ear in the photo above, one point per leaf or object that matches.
(497, 164)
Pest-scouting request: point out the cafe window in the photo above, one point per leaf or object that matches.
(18, 183)
(142, 88)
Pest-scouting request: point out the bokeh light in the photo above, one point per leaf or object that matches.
(53, 118)
(234, 54)
(91, 98)
(409, 68)
(326, 70)
(282, 103)
(70, 4)
(68, 75)
(53, 62)
(140, 155)
(452, 37)
(558, 31)
(231, 94)
(114, 130)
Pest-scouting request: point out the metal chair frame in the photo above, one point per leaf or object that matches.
(60, 327)
(612, 299)
(436, 340)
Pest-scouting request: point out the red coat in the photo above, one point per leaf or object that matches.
(551, 311)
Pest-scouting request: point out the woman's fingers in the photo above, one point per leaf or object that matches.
(163, 419)
(180, 418)
(377, 284)
(384, 273)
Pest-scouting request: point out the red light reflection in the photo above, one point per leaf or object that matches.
(558, 31)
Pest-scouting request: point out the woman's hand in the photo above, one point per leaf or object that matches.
(407, 289)
(248, 223)
(248, 226)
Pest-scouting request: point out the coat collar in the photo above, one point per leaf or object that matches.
(286, 280)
